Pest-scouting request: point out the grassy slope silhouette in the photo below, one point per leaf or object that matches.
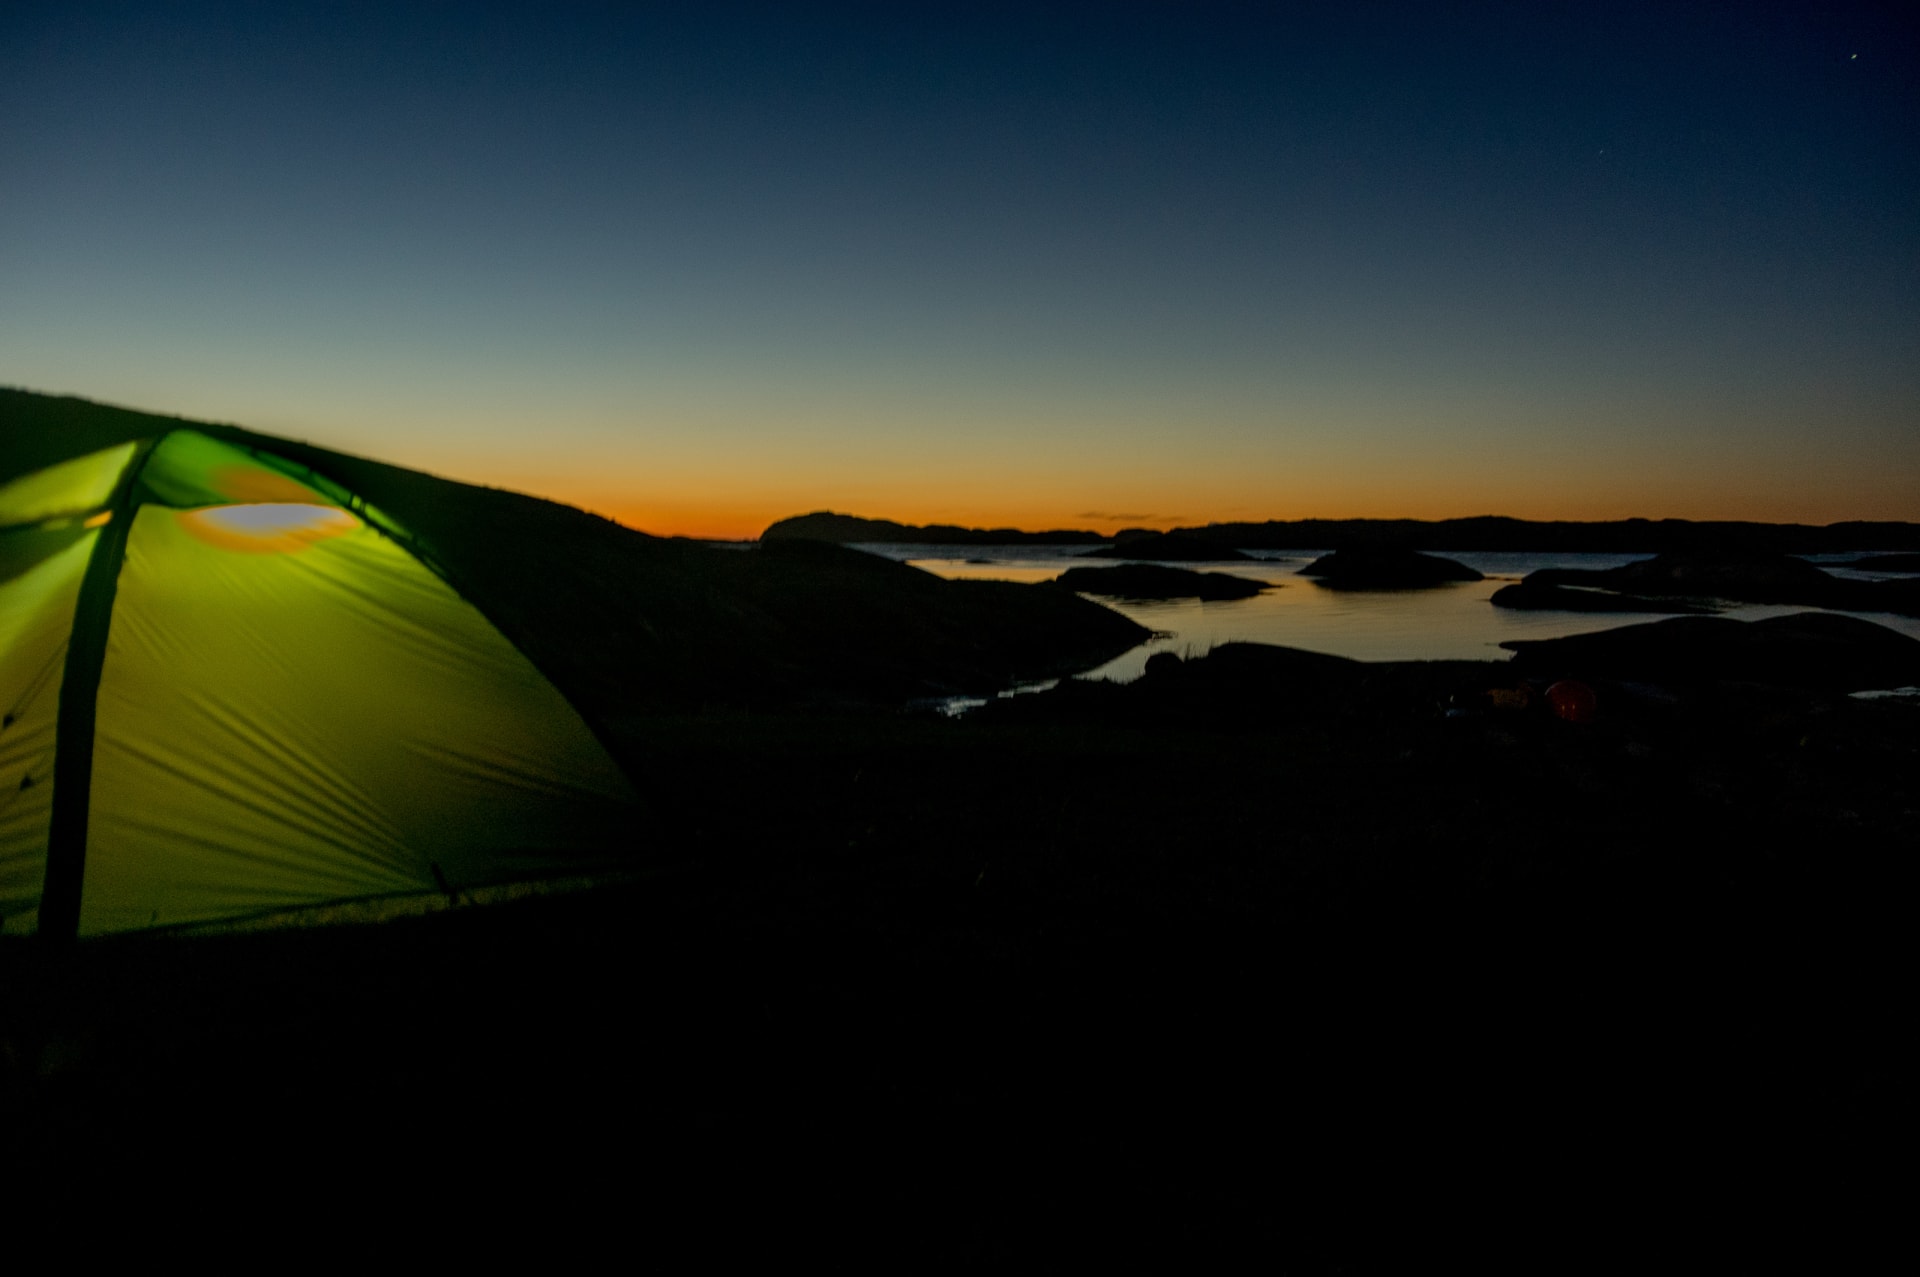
(631, 624)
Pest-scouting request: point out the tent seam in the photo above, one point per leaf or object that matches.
(73, 740)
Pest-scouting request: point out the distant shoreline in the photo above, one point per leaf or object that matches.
(1485, 533)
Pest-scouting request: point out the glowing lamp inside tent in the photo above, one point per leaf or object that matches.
(275, 528)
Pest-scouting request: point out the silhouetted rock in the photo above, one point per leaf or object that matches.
(1740, 576)
(1151, 581)
(1808, 649)
(1168, 547)
(1256, 686)
(1534, 597)
(1746, 576)
(1380, 569)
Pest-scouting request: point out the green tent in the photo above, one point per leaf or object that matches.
(230, 687)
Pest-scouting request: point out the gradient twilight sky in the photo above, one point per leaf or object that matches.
(702, 267)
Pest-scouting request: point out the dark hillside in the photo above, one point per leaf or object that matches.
(1267, 952)
(627, 623)
(39, 430)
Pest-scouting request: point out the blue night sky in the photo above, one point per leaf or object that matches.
(1046, 265)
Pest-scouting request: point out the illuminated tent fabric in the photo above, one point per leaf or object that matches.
(231, 688)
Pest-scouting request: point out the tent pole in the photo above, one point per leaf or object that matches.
(79, 702)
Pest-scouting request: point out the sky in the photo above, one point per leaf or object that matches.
(701, 267)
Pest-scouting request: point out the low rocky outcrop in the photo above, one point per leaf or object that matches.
(1744, 576)
(1170, 547)
(1807, 649)
(1260, 686)
(1375, 569)
(1741, 577)
(1152, 581)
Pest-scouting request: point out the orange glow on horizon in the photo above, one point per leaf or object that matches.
(730, 498)
(731, 470)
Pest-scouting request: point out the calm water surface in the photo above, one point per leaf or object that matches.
(1449, 622)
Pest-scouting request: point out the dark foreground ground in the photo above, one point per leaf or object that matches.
(1263, 958)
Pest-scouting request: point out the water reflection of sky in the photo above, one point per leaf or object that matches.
(1449, 622)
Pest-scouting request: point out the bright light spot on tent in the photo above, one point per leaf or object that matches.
(275, 519)
(267, 529)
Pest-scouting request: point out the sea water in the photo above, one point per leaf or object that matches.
(1455, 621)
